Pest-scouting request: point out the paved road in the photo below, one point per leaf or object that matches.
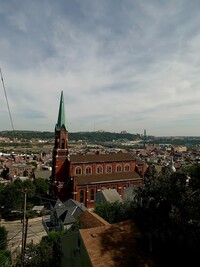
(34, 234)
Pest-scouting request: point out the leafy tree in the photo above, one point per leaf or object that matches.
(47, 253)
(5, 173)
(10, 197)
(114, 212)
(167, 212)
(3, 238)
(4, 253)
(41, 186)
(194, 174)
(5, 258)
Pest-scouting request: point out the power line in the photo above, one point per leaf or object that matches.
(4, 242)
(39, 237)
(7, 100)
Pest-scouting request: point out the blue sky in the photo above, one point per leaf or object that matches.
(122, 65)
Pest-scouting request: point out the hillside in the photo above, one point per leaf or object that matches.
(87, 136)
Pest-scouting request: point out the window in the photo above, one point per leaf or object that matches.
(127, 168)
(78, 170)
(82, 196)
(88, 170)
(119, 168)
(63, 143)
(99, 169)
(109, 169)
(56, 142)
(92, 194)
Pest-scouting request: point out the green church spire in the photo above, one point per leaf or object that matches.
(61, 115)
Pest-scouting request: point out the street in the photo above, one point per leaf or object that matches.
(34, 233)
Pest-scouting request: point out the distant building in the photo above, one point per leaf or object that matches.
(20, 169)
(80, 177)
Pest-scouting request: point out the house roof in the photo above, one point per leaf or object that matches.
(110, 195)
(90, 219)
(69, 210)
(129, 193)
(113, 245)
(105, 177)
(110, 157)
(42, 174)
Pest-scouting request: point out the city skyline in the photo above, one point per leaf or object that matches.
(122, 65)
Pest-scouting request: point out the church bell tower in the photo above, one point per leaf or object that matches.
(60, 162)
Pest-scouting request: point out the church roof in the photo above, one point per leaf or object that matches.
(89, 158)
(107, 177)
(61, 114)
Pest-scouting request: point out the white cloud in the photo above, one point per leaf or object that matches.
(122, 66)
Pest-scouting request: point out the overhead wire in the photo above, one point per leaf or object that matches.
(39, 237)
(8, 240)
(7, 100)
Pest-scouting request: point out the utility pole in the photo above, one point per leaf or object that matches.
(24, 227)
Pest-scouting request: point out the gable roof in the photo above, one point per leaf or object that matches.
(109, 195)
(69, 210)
(110, 157)
(113, 245)
(90, 219)
(105, 177)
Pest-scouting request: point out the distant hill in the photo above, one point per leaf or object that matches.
(85, 136)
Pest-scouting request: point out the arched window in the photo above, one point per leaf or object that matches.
(63, 143)
(81, 196)
(78, 170)
(127, 168)
(56, 142)
(88, 170)
(92, 194)
(119, 168)
(108, 168)
(99, 169)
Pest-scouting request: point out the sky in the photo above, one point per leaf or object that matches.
(122, 65)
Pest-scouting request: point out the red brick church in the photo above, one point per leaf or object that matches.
(80, 176)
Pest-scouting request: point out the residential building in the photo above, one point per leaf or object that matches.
(101, 244)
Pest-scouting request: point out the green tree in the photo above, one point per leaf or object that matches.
(114, 212)
(41, 186)
(47, 253)
(5, 173)
(4, 253)
(194, 174)
(3, 238)
(167, 212)
(12, 196)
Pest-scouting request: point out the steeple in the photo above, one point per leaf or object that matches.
(61, 115)
(171, 165)
(60, 161)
